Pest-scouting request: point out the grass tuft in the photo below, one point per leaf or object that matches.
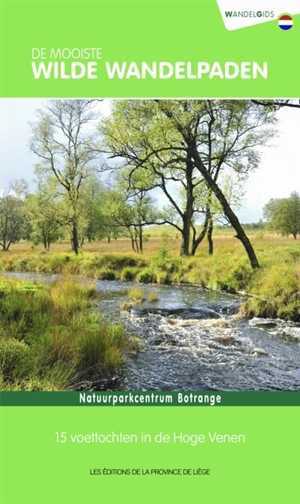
(136, 295)
(50, 338)
(153, 297)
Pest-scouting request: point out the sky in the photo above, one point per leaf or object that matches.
(277, 176)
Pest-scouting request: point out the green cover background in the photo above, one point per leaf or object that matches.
(37, 470)
(143, 31)
(34, 468)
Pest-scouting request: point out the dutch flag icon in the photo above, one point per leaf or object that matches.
(285, 22)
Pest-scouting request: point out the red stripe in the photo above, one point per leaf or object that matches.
(285, 18)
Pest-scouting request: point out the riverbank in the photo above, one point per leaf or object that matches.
(274, 288)
(178, 337)
(52, 339)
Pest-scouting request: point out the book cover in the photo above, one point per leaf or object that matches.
(149, 216)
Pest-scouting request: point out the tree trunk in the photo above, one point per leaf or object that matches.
(75, 239)
(185, 243)
(201, 237)
(209, 237)
(136, 244)
(240, 233)
(132, 238)
(4, 242)
(141, 238)
(189, 208)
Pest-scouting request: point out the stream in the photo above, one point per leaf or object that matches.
(193, 339)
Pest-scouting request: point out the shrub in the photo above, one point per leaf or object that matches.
(3, 290)
(163, 277)
(107, 275)
(146, 276)
(57, 263)
(291, 311)
(240, 277)
(12, 358)
(120, 262)
(166, 262)
(257, 307)
(23, 264)
(129, 274)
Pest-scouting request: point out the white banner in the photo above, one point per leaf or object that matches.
(238, 14)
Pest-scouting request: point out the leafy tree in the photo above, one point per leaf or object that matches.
(11, 213)
(221, 135)
(197, 144)
(283, 215)
(62, 140)
(135, 187)
(45, 211)
(130, 207)
(278, 104)
(95, 210)
(132, 131)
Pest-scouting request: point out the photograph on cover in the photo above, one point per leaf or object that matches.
(150, 245)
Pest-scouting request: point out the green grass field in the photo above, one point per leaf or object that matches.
(50, 336)
(275, 286)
